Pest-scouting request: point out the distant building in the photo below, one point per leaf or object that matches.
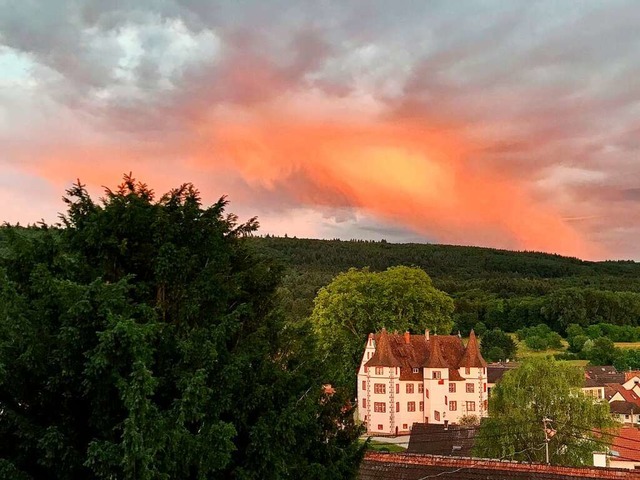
(596, 378)
(405, 379)
(623, 452)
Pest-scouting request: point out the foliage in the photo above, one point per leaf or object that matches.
(359, 302)
(496, 345)
(540, 337)
(469, 420)
(600, 352)
(543, 388)
(626, 359)
(144, 340)
(506, 290)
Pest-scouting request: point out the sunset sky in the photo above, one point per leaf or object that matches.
(510, 124)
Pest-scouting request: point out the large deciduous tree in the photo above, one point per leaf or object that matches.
(542, 388)
(358, 302)
(143, 340)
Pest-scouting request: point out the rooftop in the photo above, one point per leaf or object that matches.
(407, 466)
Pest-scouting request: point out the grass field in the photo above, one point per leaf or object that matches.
(627, 344)
(385, 447)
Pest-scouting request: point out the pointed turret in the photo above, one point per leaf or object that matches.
(472, 356)
(435, 358)
(383, 356)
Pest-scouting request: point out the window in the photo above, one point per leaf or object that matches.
(426, 392)
(379, 426)
(411, 406)
(453, 406)
(379, 407)
(422, 406)
(409, 387)
(435, 375)
(364, 403)
(446, 400)
(485, 387)
(397, 388)
(420, 388)
(397, 406)
(379, 370)
(470, 388)
(364, 384)
(416, 370)
(366, 369)
(452, 388)
(467, 371)
(471, 406)
(436, 416)
(379, 388)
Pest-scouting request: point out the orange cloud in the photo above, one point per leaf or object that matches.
(403, 172)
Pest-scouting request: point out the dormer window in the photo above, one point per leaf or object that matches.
(416, 370)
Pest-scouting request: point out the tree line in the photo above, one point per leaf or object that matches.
(502, 289)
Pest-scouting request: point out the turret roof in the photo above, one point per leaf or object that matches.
(384, 355)
(435, 359)
(472, 356)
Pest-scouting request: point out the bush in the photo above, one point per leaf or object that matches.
(495, 354)
(536, 343)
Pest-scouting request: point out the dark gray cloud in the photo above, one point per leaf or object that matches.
(547, 91)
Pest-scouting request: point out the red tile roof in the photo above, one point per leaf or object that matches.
(628, 395)
(406, 466)
(384, 356)
(435, 358)
(472, 356)
(626, 444)
(416, 351)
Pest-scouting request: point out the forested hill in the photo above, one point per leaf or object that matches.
(498, 287)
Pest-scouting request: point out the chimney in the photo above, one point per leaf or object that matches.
(407, 338)
(426, 334)
(446, 424)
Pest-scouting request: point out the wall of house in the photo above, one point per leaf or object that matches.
(613, 463)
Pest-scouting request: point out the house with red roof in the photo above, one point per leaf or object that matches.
(624, 451)
(405, 379)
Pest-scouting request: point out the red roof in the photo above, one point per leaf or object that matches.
(384, 356)
(625, 444)
(416, 351)
(472, 356)
(396, 466)
(628, 395)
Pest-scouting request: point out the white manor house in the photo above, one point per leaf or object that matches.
(406, 378)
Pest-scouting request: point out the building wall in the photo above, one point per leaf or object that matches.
(436, 397)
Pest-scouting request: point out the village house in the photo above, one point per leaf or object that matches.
(405, 379)
(624, 451)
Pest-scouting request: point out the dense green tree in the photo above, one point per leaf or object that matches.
(480, 329)
(626, 359)
(565, 307)
(496, 342)
(536, 342)
(359, 302)
(144, 340)
(576, 344)
(601, 352)
(543, 388)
